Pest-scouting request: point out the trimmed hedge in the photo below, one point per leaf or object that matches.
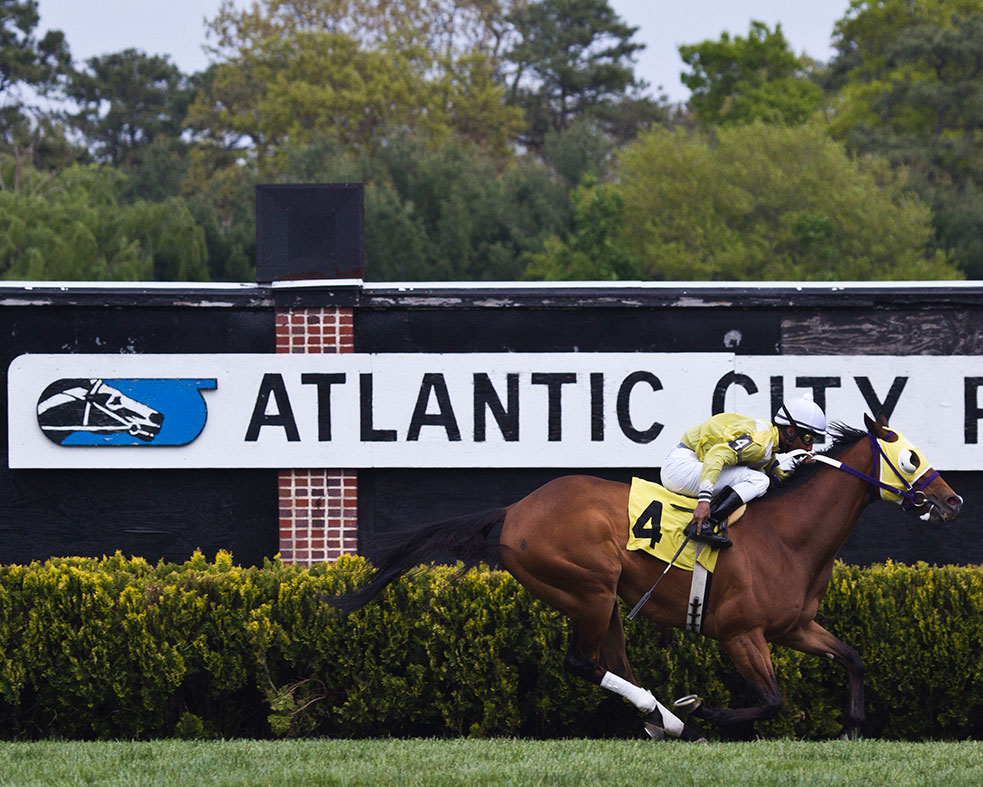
(117, 648)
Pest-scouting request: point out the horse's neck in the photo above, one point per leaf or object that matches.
(826, 508)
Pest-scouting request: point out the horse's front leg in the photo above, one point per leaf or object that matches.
(814, 639)
(749, 652)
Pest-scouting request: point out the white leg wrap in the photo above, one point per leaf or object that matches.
(674, 724)
(641, 698)
(644, 700)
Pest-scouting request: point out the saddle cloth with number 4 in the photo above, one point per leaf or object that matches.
(656, 520)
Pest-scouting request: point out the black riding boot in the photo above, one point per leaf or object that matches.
(714, 530)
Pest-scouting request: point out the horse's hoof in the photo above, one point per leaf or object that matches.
(654, 726)
(691, 735)
(687, 704)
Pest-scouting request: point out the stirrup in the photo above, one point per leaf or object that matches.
(713, 533)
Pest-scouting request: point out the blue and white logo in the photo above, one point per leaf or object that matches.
(143, 411)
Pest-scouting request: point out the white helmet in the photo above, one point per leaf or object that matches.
(802, 413)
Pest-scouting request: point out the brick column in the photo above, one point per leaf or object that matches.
(318, 508)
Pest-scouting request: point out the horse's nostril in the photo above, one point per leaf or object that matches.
(954, 502)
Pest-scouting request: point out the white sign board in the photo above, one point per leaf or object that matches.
(454, 410)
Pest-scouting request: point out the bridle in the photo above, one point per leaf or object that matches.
(911, 494)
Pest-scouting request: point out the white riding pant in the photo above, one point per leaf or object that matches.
(682, 469)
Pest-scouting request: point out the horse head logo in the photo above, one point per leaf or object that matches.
(92, 406)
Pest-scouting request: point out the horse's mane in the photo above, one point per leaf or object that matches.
(844, 437)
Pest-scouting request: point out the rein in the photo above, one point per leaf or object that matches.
(911, 494)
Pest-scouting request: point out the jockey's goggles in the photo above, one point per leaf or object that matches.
(807, 437)
(802, 432)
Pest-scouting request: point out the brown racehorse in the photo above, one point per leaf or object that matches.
(565, 542)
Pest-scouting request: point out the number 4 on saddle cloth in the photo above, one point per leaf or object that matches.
(657, 518)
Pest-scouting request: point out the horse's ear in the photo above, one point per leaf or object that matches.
(878, 427)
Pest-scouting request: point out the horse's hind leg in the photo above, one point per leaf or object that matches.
(614, 657)
(597, 654)
(562, 543)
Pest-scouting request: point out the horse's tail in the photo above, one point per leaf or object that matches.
(464, 538)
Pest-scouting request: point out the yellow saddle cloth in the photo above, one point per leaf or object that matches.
(656, 519)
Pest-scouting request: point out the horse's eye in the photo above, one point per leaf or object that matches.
(908, 461)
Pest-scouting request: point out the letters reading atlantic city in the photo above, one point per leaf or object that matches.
(494, 406)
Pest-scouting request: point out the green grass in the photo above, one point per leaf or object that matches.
(439, 762)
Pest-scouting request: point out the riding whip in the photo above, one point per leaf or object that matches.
(643, 599)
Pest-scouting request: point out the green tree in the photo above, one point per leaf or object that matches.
(583, 150)
(74, 225)
(132, 113)
(128, 101)
(912, 94)
(30, 64)
(408, 100)
(596, 249)
(867, 30)
(24, 59)
(867, 39)
(742, 80)
(441, 212)
(758, 202)
(573, 59)
(441, 29)
(220, 193)
(298, 71)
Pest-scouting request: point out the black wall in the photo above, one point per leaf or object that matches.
(167, 514)
(157, 514)
(767, 322)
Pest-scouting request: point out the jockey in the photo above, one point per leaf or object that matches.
(738, 452)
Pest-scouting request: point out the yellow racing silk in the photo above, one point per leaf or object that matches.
(731, 439)
(656, 519)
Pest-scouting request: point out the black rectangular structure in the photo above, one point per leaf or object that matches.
(309, 231)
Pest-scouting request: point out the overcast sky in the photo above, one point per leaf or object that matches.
(177, 28)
